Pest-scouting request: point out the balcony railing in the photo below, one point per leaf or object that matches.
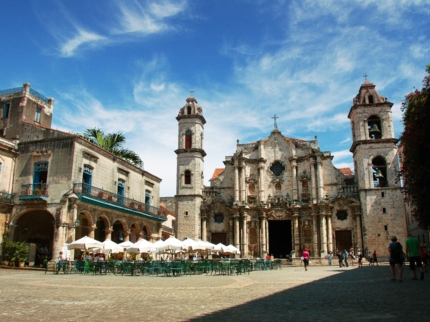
(10, 91)
(116, 199)
(6, 197)
(34, 191)
(350, 191)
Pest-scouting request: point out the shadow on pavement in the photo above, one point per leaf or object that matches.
(365, 294)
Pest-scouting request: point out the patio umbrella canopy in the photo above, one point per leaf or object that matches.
(188, 244)
(126, 245)
(110, 246)
(85, 243)
(170, 243)
(142, 246)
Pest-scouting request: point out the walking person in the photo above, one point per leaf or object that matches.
(340, 257)
(305, 256)
(351, 254)
(360, 259)
(412, 251)
(396, 258)
(423, 256)
(370, 258)
(375, 258)
(345, 255)
(330, 258)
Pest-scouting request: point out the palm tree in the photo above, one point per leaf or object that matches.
(112, 142)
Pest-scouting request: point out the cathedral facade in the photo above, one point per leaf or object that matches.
(279, 195)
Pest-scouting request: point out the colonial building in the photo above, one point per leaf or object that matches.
(65, 187)
(281, 194)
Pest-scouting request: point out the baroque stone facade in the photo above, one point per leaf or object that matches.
(280, 194)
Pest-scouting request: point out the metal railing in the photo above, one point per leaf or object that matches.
(113, 198)
(6, 197)
(35, 189)
(11, 91)
(38, 95)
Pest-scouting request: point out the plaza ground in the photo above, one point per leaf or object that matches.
(291, 294)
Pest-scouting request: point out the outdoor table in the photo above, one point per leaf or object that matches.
(62, 265)
(78, 266)
(100, 266)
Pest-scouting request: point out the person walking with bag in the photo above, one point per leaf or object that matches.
(396, 258)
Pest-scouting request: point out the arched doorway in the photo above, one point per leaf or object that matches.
(118, 234)
(100, 232)
(84, 228)
(36, 227)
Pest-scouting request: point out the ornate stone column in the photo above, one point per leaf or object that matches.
(236, 181)
(323, 230)
(263, 248)
(242, 180)
(359, 243)
(294, 168)
(108, 232)
(245, 235)
(315, 234)
(313, 182)
(320, 180)
(236, 231)
(329, 234)
(261, 182)
(296, 233)
(204, 234)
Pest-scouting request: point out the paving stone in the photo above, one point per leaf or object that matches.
(320, 294)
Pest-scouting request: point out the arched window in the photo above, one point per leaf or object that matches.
(189, 110)
(370, 98)
(188, 139)
(374, 127)
(187, 177)
(379, 167)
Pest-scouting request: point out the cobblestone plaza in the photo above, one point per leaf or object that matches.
(320, 294)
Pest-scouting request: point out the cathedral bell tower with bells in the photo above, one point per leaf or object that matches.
(376, 168)
(189, 170)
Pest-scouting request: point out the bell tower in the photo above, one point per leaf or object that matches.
(189, 170)
(376, 169)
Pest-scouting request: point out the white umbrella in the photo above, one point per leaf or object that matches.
(142, 246)
(127, 244)
(170, 243)
(110, 246)
(188, 244)
(85, 243)
(203, 245)
(219, 248)
(231, 249)
(66, 251)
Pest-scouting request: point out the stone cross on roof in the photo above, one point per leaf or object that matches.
(365, 76)
(275, 117)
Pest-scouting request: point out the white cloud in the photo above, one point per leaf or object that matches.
(70, 46)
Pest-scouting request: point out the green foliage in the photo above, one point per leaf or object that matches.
(416, 151)
(14, 251)
(112, 142)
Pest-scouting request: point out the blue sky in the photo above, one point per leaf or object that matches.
(129, 66)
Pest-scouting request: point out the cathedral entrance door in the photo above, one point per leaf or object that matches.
(280, 243)
(217, 238)
(343, 240)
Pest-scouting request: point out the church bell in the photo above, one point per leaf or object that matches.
(374, 129)
(378, 174)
